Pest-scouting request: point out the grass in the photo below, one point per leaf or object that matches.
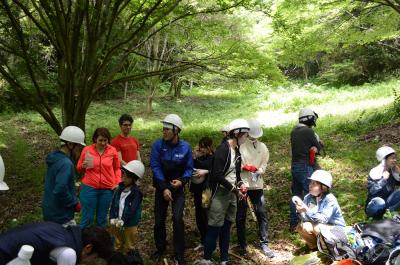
(204, 111)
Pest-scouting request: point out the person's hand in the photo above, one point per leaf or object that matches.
(200, 173)
(396, 169)
(176, 183)
(113, 221)
(167, 195)
(386, 174)
(119, 223)
(315, 149)
(301, 208)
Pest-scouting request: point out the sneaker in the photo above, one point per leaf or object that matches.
(203, 262)
(225, 263)
(157, 255)
(198, 247)
(267, 251)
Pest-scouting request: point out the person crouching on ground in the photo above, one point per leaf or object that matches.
(382, 181)
(126, 207)
(319, 208)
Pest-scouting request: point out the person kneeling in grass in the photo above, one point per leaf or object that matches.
(319, 208)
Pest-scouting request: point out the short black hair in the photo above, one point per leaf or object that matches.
(205, 142)
(125, 117)
(100, 239)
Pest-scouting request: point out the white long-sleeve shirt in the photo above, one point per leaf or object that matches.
(255, 154)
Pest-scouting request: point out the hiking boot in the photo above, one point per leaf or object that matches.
(267, 251)
(203, 262)
(156, 256)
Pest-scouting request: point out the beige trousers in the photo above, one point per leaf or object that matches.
(309, 232)
(125, 238)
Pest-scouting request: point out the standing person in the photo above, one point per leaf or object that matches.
(225, 183)
(304, 145)
(101, 167)
(203, 156)
(255, 156)
(382, 182)
(172, 166)
(60, 201)
(126, 207)
(320, 208)
(127, 146)
(54, 244)
(3, 185)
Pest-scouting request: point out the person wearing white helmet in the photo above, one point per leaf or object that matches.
(255, 156)
(171, 162)
(382, 182)
(225, 183)
(3, 185)
(60, 201)
(224, 130)
(126, 207)
(320, 208)
(304, 145)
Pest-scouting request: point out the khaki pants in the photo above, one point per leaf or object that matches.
(125, 239)
(309, 232)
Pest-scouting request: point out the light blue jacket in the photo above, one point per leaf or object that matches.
(327, 211)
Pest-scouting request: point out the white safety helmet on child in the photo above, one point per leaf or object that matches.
(73, 134)
(135, 167)
(225, 128)
(171, 121)
(239, 126)
(383, 152)
(323, 177)
(306, 114)
(3, 185)
(255, 128)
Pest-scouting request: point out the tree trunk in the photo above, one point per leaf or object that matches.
(125, 90)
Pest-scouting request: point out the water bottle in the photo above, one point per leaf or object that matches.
(24, 255)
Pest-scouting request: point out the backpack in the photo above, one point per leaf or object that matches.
(332, 241)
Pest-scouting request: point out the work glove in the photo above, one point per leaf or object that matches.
(312, 154)
(113, 221)
(250, 168)
(77, 207)
(120, 223)
(243, 190)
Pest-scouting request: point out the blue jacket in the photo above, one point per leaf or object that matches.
(327, 211)
(43, 237)
(380, 187)
(59, 197)
(169, 162)
(132, 208)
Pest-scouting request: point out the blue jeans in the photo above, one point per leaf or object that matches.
(258, 201)
(301, 172)
(94, 201)
(377, 206)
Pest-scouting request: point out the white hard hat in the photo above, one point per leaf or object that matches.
(3, 185)
(239, 126)
(255, 128)
(225, 128)
(136, 167)
(323, 177)
(173, 119)
(73, 134)
(383, 152)
(307, 114)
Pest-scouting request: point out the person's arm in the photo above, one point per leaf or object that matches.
(120, 158)
(116, 168)
(187, 174)
(313, 139)
(79, 165)
(138, 155)
(323, 215)
(264, 160)
(61, 191)
(156, 167)
(219, 164)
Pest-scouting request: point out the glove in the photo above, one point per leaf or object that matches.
(119, 223)
(113, 221)
(77, 207)
(243, 190)
(250, 168)
(312, 155)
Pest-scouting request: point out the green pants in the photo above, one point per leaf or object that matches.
(223, 206)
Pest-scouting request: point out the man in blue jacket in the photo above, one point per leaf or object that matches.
(60, 200)
(54, 244)
(172, 166)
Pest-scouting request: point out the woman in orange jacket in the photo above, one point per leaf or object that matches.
(101, 167)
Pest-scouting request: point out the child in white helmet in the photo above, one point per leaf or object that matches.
(382, 182)
(319, 208)
(126, 207)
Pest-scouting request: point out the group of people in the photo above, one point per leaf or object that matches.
(225, 182)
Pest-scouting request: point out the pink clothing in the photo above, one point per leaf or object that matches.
(105, 173)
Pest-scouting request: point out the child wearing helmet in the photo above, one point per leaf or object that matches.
(319, 208)
(382, 182)
(126, 207)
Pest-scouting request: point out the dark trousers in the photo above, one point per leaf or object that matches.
(160, 215)
(201, 215)
(301, 172)
(257, 199)
(210, 242)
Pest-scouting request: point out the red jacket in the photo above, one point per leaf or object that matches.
(105, 173)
